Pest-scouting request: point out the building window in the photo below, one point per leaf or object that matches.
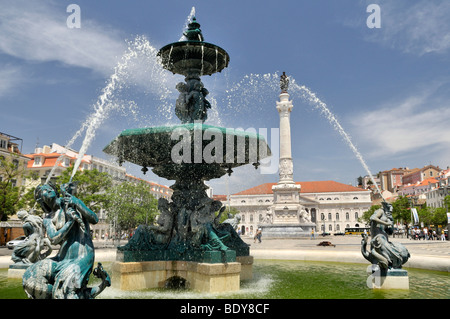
(243, 218)
(3, 144)
(356, 215)
(329, 216)
(322, 216)
(337, 216)
(37, 160)
(251, 218)
(67, 162)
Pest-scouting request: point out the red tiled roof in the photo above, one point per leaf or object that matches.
(220, 197)
(49, 159)
(306, 187)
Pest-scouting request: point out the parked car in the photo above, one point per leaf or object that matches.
(16, 241)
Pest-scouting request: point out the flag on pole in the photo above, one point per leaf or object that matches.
(416, 217)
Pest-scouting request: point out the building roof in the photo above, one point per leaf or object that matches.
(425, 182)
(220, 197)
(48, 159)
(306, 187)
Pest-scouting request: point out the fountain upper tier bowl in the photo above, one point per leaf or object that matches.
(185, 148)
(185, 56)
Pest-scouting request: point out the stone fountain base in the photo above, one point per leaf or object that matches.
(391, 279)
(198, 276)
(17, 270)
(287, 230)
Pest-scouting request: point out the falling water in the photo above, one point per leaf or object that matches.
(140, 48)
(254, 89)
(311, 97)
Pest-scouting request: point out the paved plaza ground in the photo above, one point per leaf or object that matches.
(425, 254)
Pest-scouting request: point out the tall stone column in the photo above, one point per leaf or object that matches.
(289, 216)
(286, 192)
(286, 168)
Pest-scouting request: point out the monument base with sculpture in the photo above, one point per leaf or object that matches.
(287, 230)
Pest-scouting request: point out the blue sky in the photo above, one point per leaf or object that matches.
(388, 86)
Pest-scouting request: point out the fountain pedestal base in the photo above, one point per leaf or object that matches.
(17, 270)
(392, 279)
(202, 277)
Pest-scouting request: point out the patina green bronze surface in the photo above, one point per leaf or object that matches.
(36, 247)
(66, 275)
(193, 58)
(192, 144)
(386, 257)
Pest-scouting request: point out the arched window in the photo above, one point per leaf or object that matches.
(347, 216)
(356, 215)
(322, 216)
(329, 216)
(243, 218)
(330, 227)
(337, 216)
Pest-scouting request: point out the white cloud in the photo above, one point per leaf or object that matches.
(415, 124)
(10, 78)
(37, 31)
(418, 27)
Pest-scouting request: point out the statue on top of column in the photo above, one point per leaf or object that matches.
(284, 83)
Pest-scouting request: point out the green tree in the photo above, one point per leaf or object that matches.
(228, 213)
(447, 203)
(12, 196)
(92, 186)
(130, 205)
(366, 215)
(401, 209)
(439, 217)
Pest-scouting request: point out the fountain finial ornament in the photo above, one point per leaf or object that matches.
(193, 33)
(284, 83)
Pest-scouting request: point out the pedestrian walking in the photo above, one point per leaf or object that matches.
(442, 236)
(258, 235)
(313, 236)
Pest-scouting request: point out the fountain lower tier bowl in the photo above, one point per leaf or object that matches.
(184, 56)
(189, 150)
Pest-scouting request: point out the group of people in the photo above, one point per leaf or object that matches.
(426, 234)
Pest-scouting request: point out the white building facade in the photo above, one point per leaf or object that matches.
(330, 205)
